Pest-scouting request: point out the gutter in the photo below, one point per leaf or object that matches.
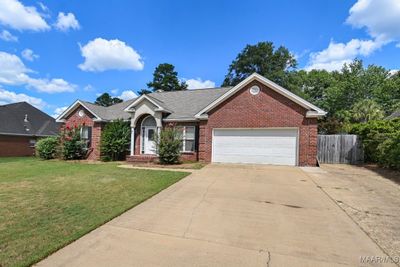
(31, 135)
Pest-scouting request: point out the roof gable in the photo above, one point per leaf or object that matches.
(313, 111)
(74, 106)
(159, 105)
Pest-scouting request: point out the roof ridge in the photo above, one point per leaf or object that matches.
(15, 103)
(191, 90)
(123, 101)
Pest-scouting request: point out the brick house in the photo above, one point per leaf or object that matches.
(256, 121)
(21, 125)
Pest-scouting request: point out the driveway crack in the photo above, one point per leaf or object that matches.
(269, 258)
(363, 211)
(197, 206)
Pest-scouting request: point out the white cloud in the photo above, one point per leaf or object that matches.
(101, 55)
(14, 72)
(17, 16)
(381, 18)
(337, 54)
(56, 85)
(65, 22)
(198, 83)
(8, 37)
(29, 55)
(43, 7)
(114, 91)
(88, 88)
(7, 97)
(128, 94)
(12, 69)
(58, 111)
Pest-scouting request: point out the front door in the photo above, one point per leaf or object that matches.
(149, 140)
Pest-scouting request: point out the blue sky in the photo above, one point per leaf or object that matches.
(54, 52)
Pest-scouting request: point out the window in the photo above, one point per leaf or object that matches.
(188, 136)
(81, 113)
(151, 134)
(86, 135)
(254, 90)
(32, 143)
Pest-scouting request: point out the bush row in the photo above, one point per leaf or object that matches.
(68, 145)
(115, 140)
(381, 141)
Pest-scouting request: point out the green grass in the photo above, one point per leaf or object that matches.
(44, 205)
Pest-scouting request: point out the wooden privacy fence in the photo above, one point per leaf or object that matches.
(344, 148)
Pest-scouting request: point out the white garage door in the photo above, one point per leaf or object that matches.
(261, 146)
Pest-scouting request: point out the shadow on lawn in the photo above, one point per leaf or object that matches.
(393, 175)
(15, 159)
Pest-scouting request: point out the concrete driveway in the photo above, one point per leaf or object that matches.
(228, 215)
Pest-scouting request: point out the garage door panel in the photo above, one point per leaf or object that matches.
(260, 150)
(264, 146)
(256, 132)
(274, 160)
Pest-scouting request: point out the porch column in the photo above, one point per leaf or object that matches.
(132, 141)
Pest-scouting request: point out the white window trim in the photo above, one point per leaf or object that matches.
(187, 139)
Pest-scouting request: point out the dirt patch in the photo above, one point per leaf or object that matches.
(387, 173)
(370, 196)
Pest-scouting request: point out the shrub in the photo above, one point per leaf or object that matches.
(389, 152)
(71, 144)
(380, 141)
(115, 140)
(374, 133)
(168, 146)
(47, 148)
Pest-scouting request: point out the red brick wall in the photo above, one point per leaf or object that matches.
(267, 109)
(75, 120)
(15, 146)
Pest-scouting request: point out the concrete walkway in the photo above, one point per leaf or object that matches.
(228, 215)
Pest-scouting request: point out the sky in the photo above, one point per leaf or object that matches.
(53, 52)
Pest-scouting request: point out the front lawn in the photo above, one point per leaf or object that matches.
(45, 205)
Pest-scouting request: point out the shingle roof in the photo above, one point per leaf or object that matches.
(182, 104)
(12, 120)
(112, 112)
(185, 104)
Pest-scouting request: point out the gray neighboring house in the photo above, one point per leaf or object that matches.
(21, 124)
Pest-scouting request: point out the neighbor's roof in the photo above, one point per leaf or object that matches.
(12, 121)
